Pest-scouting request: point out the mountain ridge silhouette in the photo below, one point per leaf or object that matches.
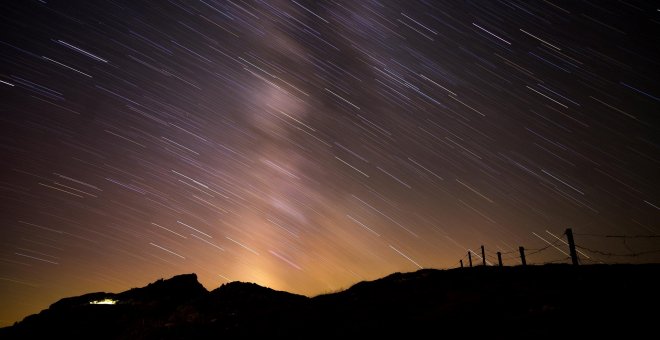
(498, 302)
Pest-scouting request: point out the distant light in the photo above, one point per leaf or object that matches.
(103, 302)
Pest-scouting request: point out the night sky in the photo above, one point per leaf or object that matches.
(307, 146)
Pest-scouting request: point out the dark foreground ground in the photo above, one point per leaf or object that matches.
(547, 302)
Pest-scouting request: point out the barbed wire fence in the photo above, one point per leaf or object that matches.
(574, 253)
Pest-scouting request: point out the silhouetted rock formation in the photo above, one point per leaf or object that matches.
(511, 302)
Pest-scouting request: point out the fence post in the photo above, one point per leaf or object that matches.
(522, 255)
(571, 246)
(499, 258)
(483, 256)
(470, 258)
(461, 263)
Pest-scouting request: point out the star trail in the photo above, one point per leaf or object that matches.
(309, 145)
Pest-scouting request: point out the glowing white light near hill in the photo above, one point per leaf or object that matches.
(103, 302)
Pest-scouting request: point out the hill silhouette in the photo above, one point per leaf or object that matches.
(547, 302)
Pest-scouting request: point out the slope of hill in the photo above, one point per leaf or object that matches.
(548, 302)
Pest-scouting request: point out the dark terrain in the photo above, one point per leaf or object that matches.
(550, 302)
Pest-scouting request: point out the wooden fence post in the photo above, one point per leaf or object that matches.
(483, 256)
(522, 255)
(571, 246)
